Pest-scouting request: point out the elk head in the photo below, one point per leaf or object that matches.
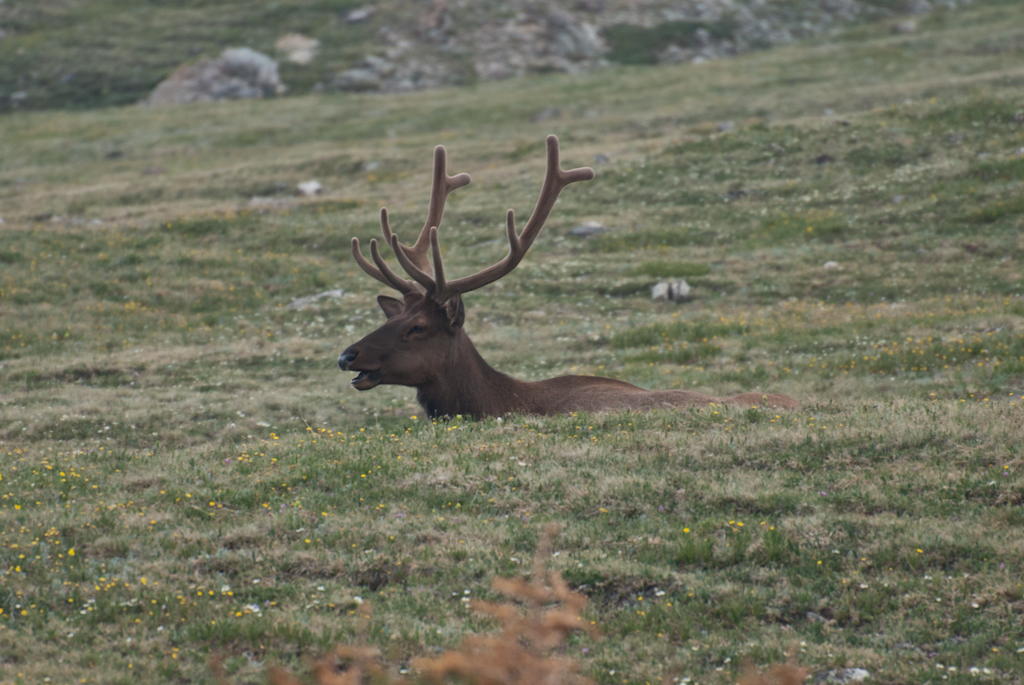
(423, 342)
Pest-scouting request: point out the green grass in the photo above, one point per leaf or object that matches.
(150, 365)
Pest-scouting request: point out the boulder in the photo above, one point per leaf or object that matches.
(238, 74)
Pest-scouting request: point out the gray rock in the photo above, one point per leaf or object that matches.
(360, 14)
(588, 229)
(358, 80)
(672, 290)
(238, 74)
(841, 676)
(378, 65)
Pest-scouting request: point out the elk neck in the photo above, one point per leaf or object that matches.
(466, 384)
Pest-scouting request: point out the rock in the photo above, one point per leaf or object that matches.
(908, 26)
(310, 188)
(297, 48)
(300, 302)
(378, 65)
(601, 158)
(824, 159)
(357, 80)
(841, 676)
(542, 38)
(377, 73)
(726, 127)
(585, 230)
(360, 14)
(829, 266)
(238, 74)
(673, 290)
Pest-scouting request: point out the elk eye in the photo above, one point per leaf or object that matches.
(417, 329)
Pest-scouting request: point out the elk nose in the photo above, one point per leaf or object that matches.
(346, 358)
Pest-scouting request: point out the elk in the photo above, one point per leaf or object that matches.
(423, 343)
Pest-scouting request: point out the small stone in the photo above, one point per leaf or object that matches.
(828, 266)
(908, 26)
(673, 290)
(310, 188)
(300, 302)
(360, 14)
(824, 159)
(841, 676)
(587, 229)
(726, 126)
(358, 80)
(601, 158)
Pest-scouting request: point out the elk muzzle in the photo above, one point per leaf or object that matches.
(366, 379)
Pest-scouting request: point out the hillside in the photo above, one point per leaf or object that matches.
(186, 472)
(71, 54)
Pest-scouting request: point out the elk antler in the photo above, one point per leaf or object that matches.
(442, 185)
(413, 259)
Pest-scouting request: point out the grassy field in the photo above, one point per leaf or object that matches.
(185, 471)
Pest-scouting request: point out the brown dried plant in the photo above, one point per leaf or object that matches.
(521, 653)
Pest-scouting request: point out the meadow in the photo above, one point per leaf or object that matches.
(185, 472)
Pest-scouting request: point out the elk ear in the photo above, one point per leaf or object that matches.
(390, 305)
(455, 313)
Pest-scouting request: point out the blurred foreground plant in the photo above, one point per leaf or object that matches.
(537, 619)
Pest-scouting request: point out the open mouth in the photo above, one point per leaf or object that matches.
(366, 380)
